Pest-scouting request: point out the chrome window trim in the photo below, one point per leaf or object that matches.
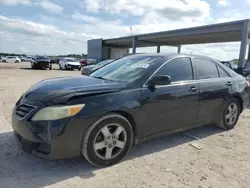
(183, 56)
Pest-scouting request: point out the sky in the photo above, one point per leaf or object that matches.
(53, 27)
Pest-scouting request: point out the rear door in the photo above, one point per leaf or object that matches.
(215, 88)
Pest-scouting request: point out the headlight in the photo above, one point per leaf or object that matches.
(57, 112)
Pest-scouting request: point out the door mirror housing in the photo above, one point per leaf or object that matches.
(159, 80)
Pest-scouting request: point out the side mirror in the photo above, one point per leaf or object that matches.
(159, 80)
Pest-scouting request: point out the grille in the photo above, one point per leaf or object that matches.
(23, 110)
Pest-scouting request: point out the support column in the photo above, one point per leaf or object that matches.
(179, 49)
(243, 45)
(158, 49)
(248, 55)
(134, 45)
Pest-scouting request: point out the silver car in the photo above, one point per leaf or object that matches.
(11, 59)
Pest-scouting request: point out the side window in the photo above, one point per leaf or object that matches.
(206, 69)
(222, 72)
(179, 69)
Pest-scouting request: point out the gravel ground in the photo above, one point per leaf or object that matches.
(168, 162)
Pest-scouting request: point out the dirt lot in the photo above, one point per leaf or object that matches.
(224, 160)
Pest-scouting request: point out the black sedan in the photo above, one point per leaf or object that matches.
(41, 62)
(133, 99)
(88, 69)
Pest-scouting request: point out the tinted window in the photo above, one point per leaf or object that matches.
(179, 69)
(206, 69)
(222, 72)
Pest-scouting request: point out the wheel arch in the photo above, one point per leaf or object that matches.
(131, 120)
(239, 99)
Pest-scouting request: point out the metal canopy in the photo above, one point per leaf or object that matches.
(224, 32)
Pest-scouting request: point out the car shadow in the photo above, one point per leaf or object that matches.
(30, 171)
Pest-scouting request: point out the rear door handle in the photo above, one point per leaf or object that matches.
(193, 89)
(229, 83)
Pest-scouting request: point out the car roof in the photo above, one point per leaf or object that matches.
(172, 55)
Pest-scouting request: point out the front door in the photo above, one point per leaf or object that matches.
(172, 106)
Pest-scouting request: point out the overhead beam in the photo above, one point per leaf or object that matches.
(149, 43)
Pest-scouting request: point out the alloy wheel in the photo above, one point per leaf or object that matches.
(110, 141)
(231, 114)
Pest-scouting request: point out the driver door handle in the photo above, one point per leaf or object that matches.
(193, 89)
(229, 83)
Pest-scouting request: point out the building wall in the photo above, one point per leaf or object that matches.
(116, 53)
(95, 49)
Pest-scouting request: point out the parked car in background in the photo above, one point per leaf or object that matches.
(85, 62)
(69, 63)
(28, 59)
(230, 64)
(130, 100)
(41, 62)
(11, 59)
(88, 69)
(55, 60)
(22, 58)
(245, 71)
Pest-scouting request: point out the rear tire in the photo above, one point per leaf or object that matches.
(4, 61)
(16, 61)
(230, 115)
(60, 67)
(113, 135)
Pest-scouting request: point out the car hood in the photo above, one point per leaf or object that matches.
(73, 63)
(60, 90)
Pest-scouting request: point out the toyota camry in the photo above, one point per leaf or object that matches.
(133, 99)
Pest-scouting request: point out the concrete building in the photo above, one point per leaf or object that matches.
(237, 31)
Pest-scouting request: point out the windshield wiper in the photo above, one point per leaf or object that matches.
(99, 77)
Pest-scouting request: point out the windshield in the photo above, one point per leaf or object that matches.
(129, 69)
(71, 60)
(105, 62)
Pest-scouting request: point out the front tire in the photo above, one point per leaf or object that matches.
(107, 140)
(230, 115)
(16, 61)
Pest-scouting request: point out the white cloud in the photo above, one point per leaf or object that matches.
(223, 3)
(51, 7)
(175, 9)
(16, 2)
(86, 18)
(40, 38)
